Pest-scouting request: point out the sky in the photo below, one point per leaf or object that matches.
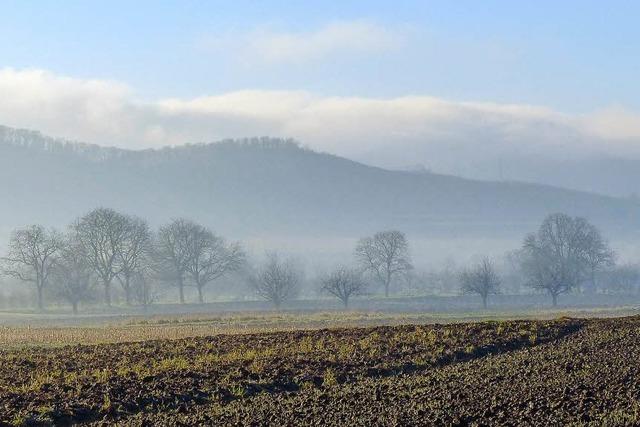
(363, 79)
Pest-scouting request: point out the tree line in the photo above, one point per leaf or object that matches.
(563, 255)
(106, 248)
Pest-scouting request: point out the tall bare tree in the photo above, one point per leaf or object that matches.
(210, 258)
(598, 254)
(277, 280)
(481, 279)
(72, 274)
(31, 256)
(102, 233)
(343, 283)
(133, 254)
(173, 251)
(385, 255)
(555, 258)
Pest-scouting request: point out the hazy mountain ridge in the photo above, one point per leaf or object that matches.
(604, 173)
(261, 186)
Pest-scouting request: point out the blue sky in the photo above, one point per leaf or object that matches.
(571, 56)
(453, 85)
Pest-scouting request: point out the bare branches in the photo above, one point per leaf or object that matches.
(343, 283)
(173, 252)
(102, 233)
(277, 280)
(560, 255)
(598, 254)
(210, 257)
(32, 254)
(385, 255)
(134, 252)
(143, 289)
(481, 279)
(191, 251)
(72, 273)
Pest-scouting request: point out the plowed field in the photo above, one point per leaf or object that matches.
(559, 372)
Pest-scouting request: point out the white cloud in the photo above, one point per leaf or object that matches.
(269, 46)
(614, 122)
(36, 98)
(249, 103)
(448, 136)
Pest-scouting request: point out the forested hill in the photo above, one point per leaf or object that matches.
(263, 186)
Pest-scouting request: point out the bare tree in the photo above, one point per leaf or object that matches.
(142, 288)
(31, 256)
(102, 233)
(210, 258)
(173, 251)
(555, 258)
(385, 255)
(133, 254)
(598, 254)
(481, 279)
(277, 280)
(343, 283)
(513, 276)
(72, 274)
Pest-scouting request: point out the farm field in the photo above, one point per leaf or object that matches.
(18, 330)
(563, 371)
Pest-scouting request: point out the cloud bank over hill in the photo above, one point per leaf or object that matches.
(466, 138)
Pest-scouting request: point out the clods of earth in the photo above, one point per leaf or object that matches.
(559, 372)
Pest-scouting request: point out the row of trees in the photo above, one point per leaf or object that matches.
(565, 253)
(105, 247)
(381, 258)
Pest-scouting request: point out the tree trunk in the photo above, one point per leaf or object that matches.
(181, 289)
(107, 293)
(200, 297)
(554, 298)
(346, 302)
(386, 286)
(484, 302)
(74, 305)
(40, 303)
(127, 290)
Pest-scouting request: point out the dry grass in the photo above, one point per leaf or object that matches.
(134, 329)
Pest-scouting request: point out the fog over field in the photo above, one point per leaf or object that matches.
(276, 196)
(275, 193)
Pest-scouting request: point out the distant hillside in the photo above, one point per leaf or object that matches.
(261, 186)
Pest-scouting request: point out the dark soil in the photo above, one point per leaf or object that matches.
(506, 373)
